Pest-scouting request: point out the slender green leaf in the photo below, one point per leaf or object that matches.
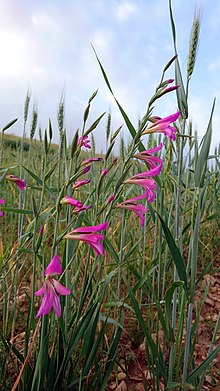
(177, 258)
(201, 162)
(202, 367)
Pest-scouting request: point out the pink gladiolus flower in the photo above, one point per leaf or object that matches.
(71, 201)
(78, 184)
(147, 157)
(90, 160)
(19, 182)
(50, 288)
(148, 184)
(163, 126)
(89, 236)
(139, 209)
(84, 142)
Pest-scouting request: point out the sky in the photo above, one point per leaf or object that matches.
(45, 47)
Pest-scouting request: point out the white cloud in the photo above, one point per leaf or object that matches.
(13, 54)
(43, 20)
(125, 11)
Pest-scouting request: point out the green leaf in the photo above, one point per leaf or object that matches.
(94, 125)
(169, 296)
(180, 92)
(111, 356)
(19, 211)
(175, 252)
(172, 24)
(201, 162)
(168, 306)
(169, 63)
(2, 177)
(50, 172)
(202, 367)
(96, 344)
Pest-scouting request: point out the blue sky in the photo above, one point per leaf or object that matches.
(46, 47)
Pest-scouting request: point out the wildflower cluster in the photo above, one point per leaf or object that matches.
(91, 235)
(145, 179)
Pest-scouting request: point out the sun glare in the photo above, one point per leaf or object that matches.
(12, 51)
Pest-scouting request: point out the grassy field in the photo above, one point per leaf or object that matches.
(110, 273)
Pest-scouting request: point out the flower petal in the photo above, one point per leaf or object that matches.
(90, 229)
(71, 201)
(56, 305)
(97, 247)
(41, 291)
(46, 305)
(61, 289)
(54, 267)
(78, 184)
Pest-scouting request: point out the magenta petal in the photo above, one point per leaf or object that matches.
(104, 172)
(46, 305)
(97, 247)
(61, 289)
(134, 199)
(93, 228)
(84, 207)
(110, 199)
(84, 141)
(141, 217)
(54, 267)
(170, 118)
(152, 172)
(41, 291)
(153, 150)
(20, 183)
(86, 169)
(1, 213)
(90, 160)
(71, 201)
(80, 183)
(56, 305)
(2, 201)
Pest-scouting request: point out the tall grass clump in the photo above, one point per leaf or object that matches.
(99, 249)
